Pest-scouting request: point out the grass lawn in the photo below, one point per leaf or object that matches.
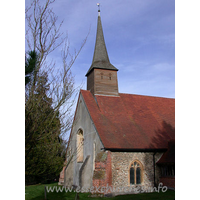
(36, 192)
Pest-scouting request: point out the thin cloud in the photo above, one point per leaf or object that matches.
(139, 36)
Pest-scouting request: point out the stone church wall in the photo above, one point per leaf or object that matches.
(121, 162)
(103, 170)
(81, 173)
(68, 179)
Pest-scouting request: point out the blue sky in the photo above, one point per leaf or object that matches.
(139, 36)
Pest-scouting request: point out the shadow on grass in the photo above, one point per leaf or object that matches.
(37, 192)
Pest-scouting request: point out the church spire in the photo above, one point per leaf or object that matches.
(102, 75)
(100, 57)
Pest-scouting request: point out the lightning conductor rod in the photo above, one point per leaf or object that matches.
(98, 4)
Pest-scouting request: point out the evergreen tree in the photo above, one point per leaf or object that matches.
(30, 66)
(44, 145)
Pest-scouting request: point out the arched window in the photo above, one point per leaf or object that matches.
(80, 146)
(135, 173)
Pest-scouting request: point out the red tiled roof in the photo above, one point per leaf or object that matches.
(132, 121)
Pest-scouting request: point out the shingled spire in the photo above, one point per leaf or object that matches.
(100, 58)
(102, 75)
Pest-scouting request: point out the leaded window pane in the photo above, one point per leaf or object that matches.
(138, 176)
(135, 163)
(131, 175)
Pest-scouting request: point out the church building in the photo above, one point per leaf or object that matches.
(119, 140)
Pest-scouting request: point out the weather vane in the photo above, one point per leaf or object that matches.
(98, 4)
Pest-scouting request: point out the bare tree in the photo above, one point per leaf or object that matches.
(43, 36)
